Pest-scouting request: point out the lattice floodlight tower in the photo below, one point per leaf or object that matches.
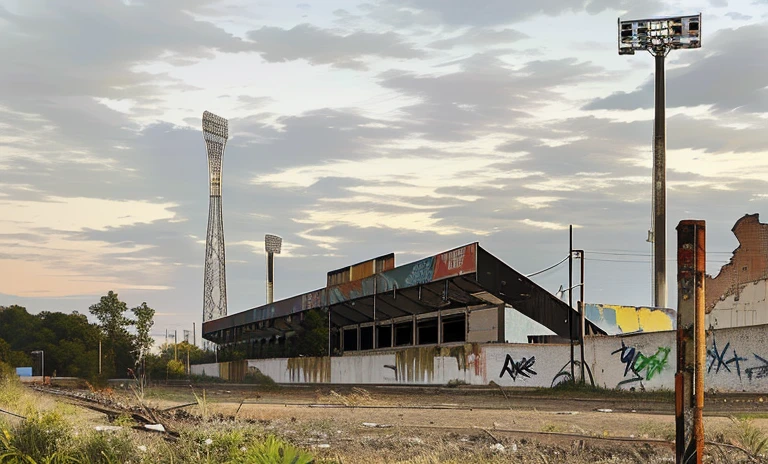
(215, 134)
(272, 245)
(658, 36)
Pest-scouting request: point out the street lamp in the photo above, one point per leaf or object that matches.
(658, 36)
(42, 362)
(272, 245)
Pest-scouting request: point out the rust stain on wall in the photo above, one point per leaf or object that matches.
(418, 364)
(310, 370)
(749, 262)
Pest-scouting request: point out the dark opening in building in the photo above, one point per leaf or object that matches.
(427, 331)
(350, 339)
(366, 338)
(404, 334)
(454, 328)
(384, 336)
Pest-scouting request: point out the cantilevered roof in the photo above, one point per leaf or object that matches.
(464, 276)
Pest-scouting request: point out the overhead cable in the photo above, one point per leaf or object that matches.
(549, 268)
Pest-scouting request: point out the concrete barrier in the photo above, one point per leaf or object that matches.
(737, 360)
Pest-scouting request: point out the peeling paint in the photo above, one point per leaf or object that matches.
(616, 319)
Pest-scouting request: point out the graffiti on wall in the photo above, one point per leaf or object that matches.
(758, 372)
(729, 361)
(720, 359)
(616, 319)
(515, 369)
(564, 374)
(641, 366)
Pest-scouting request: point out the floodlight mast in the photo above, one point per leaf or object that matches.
(272, 245)
(215, 134)
(659, 36)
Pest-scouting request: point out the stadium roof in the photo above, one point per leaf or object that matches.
(465, 276)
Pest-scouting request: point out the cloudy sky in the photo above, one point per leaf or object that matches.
(360, 128)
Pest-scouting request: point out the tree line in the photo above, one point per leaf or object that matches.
(71, 343)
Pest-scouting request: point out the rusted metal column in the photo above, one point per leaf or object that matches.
(660, 186)
(691, 342)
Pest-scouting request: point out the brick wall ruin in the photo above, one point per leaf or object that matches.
(748, 264)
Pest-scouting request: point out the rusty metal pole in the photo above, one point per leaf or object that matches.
(700, 338)
(691, 342)
(660, 185)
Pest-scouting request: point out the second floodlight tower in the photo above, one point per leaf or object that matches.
(215, 134)
(272, 245)
(658, 36)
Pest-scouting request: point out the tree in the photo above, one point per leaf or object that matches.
(113, 324)
(144, 322)
(143, 340)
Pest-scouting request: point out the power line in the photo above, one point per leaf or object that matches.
(549, 268)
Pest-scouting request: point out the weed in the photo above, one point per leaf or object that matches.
(256, 377)
(124, 420)
(274, 451)
(202, 405)
(453, 383)
(657, 429)
(554, 428)
(39, 437)
(748, 436)
(100, 448)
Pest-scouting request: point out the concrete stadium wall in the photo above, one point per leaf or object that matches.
(210, 369)
(737, 360)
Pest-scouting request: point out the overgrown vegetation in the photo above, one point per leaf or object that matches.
(71, 343)
(52, 434)
(749, 437)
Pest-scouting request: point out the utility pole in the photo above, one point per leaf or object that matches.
(175, 346)
(194, 337)
(582, 316)
(99, 355)
(570, 296)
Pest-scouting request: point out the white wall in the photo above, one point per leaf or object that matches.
(737, 360)
(210, 369)
(751, 308)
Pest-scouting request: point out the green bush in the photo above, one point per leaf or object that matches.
(101, 448)
(39, 437)
(273, 451)
(256, 377)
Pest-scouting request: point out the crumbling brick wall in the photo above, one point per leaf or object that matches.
(749, 262)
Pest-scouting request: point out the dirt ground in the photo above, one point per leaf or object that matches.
(465, 425)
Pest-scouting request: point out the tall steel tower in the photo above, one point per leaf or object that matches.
(215, 134)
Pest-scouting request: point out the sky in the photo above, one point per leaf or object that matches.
(360, 128)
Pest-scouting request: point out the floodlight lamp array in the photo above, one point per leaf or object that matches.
(272, 243)
(658, 35)
(215, 125)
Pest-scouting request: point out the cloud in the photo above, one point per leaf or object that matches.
(322, 46)
(404, 13)
(736, 16)
(479, 37)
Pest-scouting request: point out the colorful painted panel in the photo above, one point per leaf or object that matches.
(409, 275)
(345, 292)
(615, 319)
(456, 262)
(314, 299)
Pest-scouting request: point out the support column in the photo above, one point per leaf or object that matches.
(501, 334)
